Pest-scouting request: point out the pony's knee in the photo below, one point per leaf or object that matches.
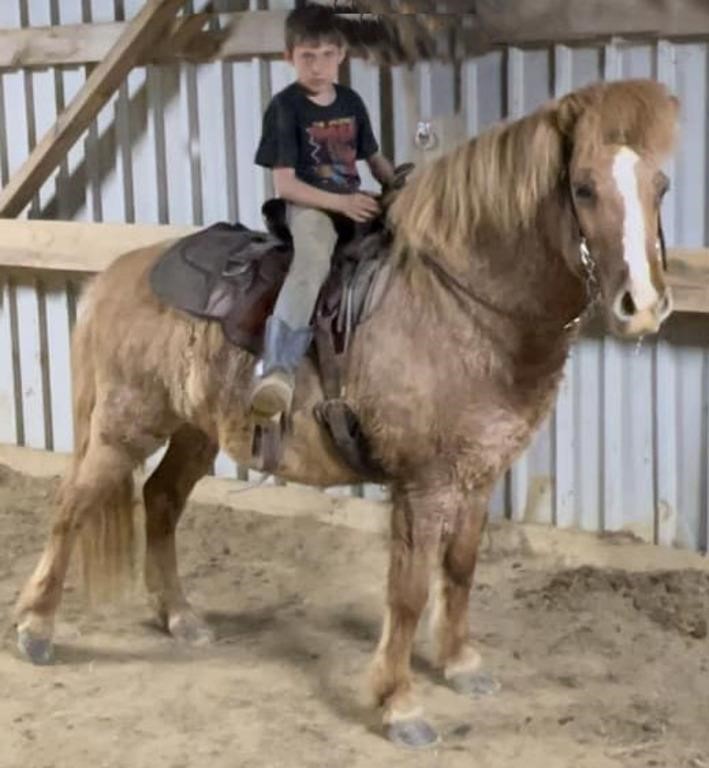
(459, 561)
(458, 572)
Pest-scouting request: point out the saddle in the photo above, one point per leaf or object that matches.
(231, 274)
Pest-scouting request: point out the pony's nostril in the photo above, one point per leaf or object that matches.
(627, 305)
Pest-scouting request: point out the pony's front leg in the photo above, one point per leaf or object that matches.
(456, 656)
(415, 537)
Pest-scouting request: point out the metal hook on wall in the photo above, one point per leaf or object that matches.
(425, 137)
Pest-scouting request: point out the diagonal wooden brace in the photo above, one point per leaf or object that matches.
(141, 32)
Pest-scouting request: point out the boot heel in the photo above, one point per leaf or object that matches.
(271, 396)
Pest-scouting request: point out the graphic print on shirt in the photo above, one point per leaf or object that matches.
(333, 146)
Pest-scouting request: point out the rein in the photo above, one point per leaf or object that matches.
(456, 286)
(460, 290)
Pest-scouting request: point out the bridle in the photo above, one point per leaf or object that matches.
(589, 266)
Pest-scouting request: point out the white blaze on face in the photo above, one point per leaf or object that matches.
(634, 240)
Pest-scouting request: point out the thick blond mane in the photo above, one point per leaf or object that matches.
(498, 179)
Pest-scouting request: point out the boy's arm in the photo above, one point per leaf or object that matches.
(358, 206)
(381, 168)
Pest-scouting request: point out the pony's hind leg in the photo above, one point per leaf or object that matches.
(460, 662)
(416, 529)
(187, 459)
(100, 481)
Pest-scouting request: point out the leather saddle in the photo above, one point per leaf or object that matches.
(231, 274)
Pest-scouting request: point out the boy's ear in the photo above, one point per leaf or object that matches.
(288, 56)
(341, 55)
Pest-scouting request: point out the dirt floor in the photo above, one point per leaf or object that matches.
(598, 666)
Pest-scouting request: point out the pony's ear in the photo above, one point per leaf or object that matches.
(568, 111)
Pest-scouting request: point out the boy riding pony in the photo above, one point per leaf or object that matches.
(314, 131)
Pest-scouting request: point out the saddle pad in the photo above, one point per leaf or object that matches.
(225, 272)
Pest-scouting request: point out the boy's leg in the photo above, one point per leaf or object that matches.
(288, 332)
(314, 239)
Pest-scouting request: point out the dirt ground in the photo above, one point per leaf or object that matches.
(598, 666)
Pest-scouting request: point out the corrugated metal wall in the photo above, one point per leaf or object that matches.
(628, 445)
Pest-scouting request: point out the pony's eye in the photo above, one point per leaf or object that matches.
(584, 192)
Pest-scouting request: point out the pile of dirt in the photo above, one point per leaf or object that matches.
(676, 600)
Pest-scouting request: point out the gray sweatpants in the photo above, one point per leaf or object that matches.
(314, 239)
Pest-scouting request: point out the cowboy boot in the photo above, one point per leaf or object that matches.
(284, 348)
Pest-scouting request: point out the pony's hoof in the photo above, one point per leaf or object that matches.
(476, 684)
(38, 650)
(187, 628)
(413, 734)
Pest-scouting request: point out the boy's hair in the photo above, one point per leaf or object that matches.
(315, 24)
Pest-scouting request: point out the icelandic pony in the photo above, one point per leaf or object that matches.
(497, 249)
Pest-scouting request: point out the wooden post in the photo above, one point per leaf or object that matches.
(140, 33)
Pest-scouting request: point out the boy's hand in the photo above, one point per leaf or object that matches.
(359, 206)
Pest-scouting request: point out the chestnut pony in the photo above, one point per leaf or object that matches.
(498, 249)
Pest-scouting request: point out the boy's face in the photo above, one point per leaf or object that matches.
(316, 65)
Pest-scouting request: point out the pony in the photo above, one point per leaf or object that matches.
(497, 251)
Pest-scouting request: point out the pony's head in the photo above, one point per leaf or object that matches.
(596, 154)
(616, 136)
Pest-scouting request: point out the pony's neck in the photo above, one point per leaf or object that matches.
(523, 276)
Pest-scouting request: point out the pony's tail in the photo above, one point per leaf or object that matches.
(83, 377)
(100, 492)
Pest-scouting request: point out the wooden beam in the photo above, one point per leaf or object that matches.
(688, 270)
(139, 34)
(52, 46)
(245, 34)
(68, 246)
(253, 34)
(535, 22)
(260, 33)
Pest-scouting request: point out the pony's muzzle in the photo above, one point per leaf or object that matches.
(635, 319)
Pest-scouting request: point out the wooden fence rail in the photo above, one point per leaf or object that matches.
(65, 246)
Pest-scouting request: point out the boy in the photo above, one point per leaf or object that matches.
(313, 132)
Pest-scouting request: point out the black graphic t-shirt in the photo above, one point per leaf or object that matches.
(320, 143)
